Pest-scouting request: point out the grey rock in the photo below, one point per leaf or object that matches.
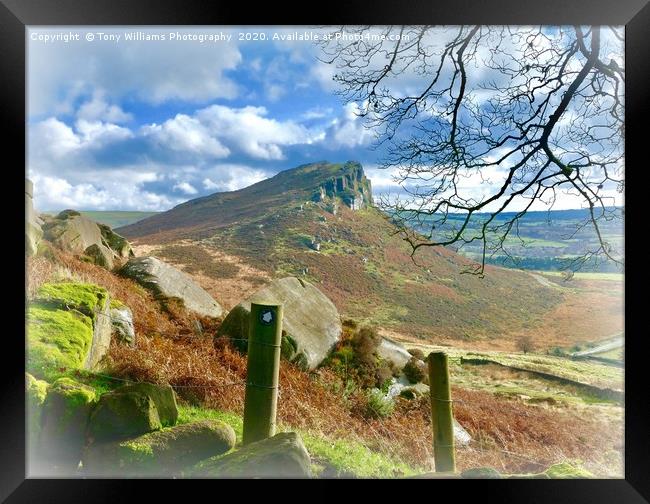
(168, 282)
(102, 332)
(281, 456)
(122, 324)
(167, 452)
(132, 410)
(100, 255)
(33, 230)
(393, 351)
(311, 321)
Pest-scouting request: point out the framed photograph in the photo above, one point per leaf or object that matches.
(369, 243)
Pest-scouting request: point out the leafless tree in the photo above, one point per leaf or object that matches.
(533, 111)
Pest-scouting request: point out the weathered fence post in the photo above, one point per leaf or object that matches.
(441, 413)
(264, 341)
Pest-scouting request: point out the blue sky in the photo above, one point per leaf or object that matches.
(115, 124)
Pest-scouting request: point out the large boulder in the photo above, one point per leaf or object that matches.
(281, 456)
(166, 452)
(311, 324)
(65, 414)
(68, 328)
(132, 410)
(33, 223)
(393, 351)
(73, 232)
(165, 281)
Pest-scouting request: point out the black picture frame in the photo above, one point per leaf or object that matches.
(15, 15)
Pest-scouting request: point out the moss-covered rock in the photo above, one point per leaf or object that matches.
(166, 452)
(567, 470)
(36, 391)
(481, 473)
(84, 297)
(100, 255)
(56, 340)
(133, 410)
(66, 410)
(67, 328)
(281, 456)
(115, 242)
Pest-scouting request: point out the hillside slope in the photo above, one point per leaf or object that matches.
(316, 221)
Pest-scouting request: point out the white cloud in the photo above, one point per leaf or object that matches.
(348, 129)
(254, 134)
(97, 109)
(155, 72)
(56, 193)
(231, 177)
(184, 133)
(186, 188)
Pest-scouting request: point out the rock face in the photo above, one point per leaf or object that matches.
(393, 351)
(100, 255)
(133, 410)
(71, 231)
(33, 231)
(122, 324)
(68, 327)
(281, 456)
(352, 187)
(311, 322)
(65, 414)
(168, 282)
(162, 453)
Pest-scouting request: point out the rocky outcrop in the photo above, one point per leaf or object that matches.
(161, 453)
(68, 328)
(133, 410)
(33, 230)
(351, 186)
(281, 456)
(311, 325)
(166, 282)
(73, 232)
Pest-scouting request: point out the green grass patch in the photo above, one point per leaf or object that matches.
(345, 456)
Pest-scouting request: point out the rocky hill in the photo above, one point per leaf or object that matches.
(317, 222)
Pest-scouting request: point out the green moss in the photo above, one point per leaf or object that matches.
(36, 389)
(36, 393)
(567, 470)
(73, 396)
(87, 298)
(116, 303)
(56, 340)
(60, 326)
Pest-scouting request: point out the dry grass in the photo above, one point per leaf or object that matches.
(510, 435)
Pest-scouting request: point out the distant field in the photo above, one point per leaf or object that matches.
(589, 275)
(545, 241)
(114, 219)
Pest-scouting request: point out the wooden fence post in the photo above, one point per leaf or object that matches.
(441, 413)
(264, 341)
